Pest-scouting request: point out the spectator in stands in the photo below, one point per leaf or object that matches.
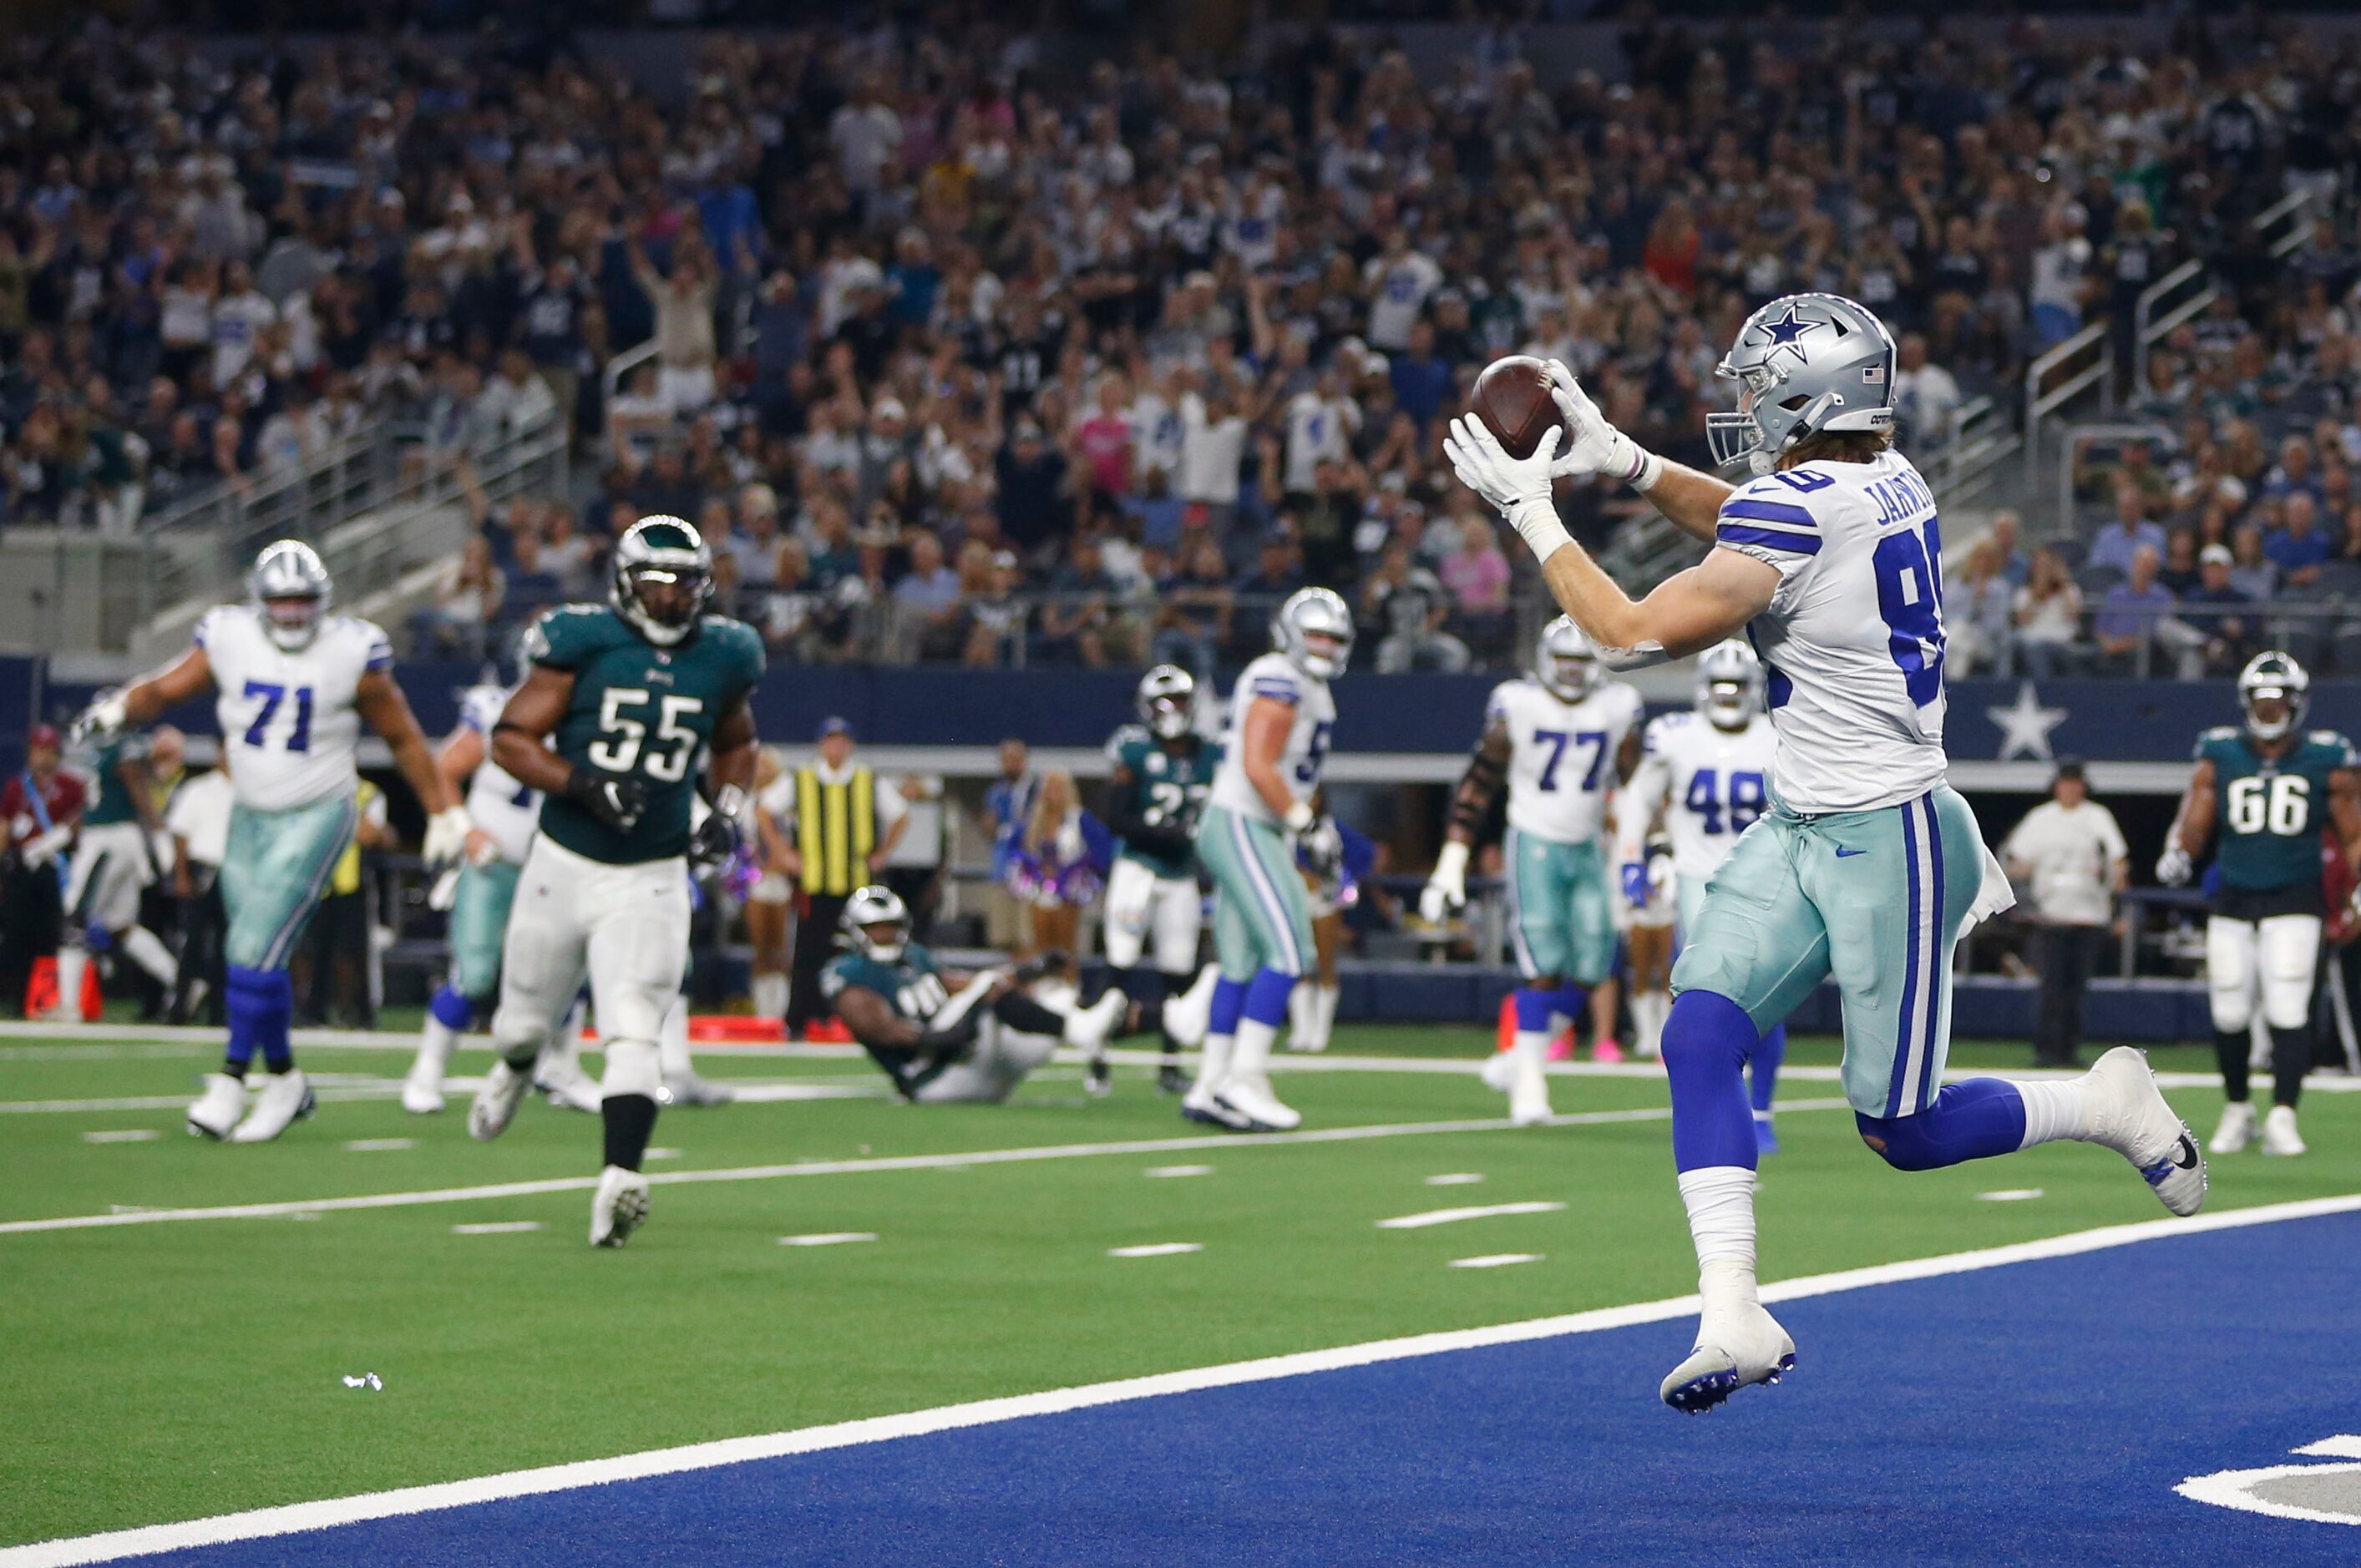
(1925, 396)
(1978, 611)
(2048, 616)
(1213, 448)
(2128, 534)
(2128, 616)
(1409, 604)
(1476, 571)
(1079, 624)
(927, 602)
(2016, 566)
(2255, 575)
(1193, 615)
(468, 599)
(2214, 610)
(997, 617)
(2298, 548)
(2178, 573)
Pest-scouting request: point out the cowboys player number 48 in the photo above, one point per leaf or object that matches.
(2262, 792)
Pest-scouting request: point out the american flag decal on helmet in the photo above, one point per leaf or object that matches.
(1873, 375)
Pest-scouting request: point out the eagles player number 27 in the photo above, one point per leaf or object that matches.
(1167, 800)
(617, 756)
(2282, 803)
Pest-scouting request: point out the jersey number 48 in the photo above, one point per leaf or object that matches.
(624, 744)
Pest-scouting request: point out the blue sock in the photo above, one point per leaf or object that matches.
(1762, 1068)
(1571, 1000)
(1534, 1010)
(1706, 1041)
(1229, 1001)
(1265, 998)
(260, 1003)
(450, 1009)
(1974, 1120)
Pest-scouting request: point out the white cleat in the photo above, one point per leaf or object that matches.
(1499, 1071)
(496, 1102)
(1087, 1028)
(2235, 1130)
(1736, 1345)
(422, 1091)
(572, 1089)
(1529, 1101)
(217, 1110)
(617, 1207)
(1248, 1095)
(2130, 1115)
(1189, 1016)
(2279, 1136)
(692, 1089)
(284, 1099)
(1202, 1104)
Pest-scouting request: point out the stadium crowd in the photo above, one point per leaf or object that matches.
(959, 356)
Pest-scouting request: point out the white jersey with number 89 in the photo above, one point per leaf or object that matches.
(288, 723)
(1275, 676)
(1562, 755)
(1852, 642)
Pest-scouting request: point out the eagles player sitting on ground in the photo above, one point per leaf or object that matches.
(2266, 790)
(972, 1048)
(1281, 715)
(1868, 866)
(1707, 773)
(1162, 768)
(622, 700)
(478, 895)
(294, 685)
(114, 861)
(1563, 738)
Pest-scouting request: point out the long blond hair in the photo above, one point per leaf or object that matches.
(1050, 804)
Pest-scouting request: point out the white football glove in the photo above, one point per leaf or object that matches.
(1299, 817)
(1519, 487)
(102, 721)
(1598, 447)
(2174, 866)
(446, 837)
(1446, 889)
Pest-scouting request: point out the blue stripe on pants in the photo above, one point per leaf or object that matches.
(1938, 973)
(1274, 906)
(1904, 1045)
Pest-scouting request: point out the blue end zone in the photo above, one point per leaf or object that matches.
(2036, 1413)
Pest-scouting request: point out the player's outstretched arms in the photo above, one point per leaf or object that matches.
(143, 699)
(1690, 499)
(1687, 613)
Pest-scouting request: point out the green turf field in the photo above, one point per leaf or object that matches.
(168, 1370)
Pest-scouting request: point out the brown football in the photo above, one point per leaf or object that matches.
(1512, 399)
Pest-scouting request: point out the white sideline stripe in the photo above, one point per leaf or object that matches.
(287, 1519)
(750, 1092)
(2011, 1195)
(852, 1167)
(497, 1228)
(1453, 1216)
(828, 1238)
(1495, 1260)
(1455, 1178)
(379, 1145)
(1166, 1172)
(1156, 1249)
(127, 1135)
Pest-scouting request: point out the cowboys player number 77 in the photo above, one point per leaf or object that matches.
(1866, 867)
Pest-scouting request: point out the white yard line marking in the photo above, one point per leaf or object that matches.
(497, 1228)
(1156, 1249)
(379, 1145)
(1453, 1216)
(2011, 1195)
(340, 1088)
(1495, 1260)
(261, 1524)
(2235, 1489)
(1163, 1172)
(661, 1154)
(2342, 1446)
(855, 1168)
(828, 1238)
(127, 1135)
(1455, 1178)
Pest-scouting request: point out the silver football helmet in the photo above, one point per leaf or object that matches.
(1308, 613)
(1806, 363)
(661, 550)
(2269, 675)
(1729, 685)
(1565, 663)
(1167, 701)
(290, 590)
(871, 906)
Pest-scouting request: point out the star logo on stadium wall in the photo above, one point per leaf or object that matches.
(2025, 725)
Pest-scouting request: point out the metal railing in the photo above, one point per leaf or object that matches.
(2286, 215)
(2081, 435)
(2084, 361)
(617, 367)
(2184, 643)
(1967, 467)
(2150, 328)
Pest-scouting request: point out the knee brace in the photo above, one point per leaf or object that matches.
(633, 1067)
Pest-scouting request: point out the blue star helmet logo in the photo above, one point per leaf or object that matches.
(1786, 329)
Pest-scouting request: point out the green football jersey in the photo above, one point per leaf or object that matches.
(639, 711)
(1166, 786)
(912, 985)
(109, 801)
(2268, 812)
